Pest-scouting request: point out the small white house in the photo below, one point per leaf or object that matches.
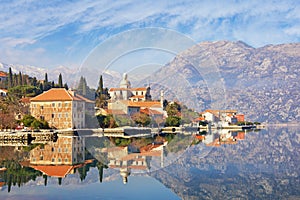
(3, 92)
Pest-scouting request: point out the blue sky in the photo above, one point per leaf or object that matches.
(47, 34)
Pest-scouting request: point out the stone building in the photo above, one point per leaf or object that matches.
(61, 108)
(126, 92)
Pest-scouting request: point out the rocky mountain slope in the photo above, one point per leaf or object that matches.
(263, 166)
(261, 82)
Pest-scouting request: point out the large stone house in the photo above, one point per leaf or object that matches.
(61, 108)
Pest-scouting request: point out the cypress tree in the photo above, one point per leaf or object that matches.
(60, 82)
(46, 83)
(66, 86)
(20, 82)
(10, 78)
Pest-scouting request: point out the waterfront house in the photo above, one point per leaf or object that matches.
(3, 76)
(3, 92)
(61, 108)
(127, 101)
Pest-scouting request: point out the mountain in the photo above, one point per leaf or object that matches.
(263, 166)
(262, 83)
(70, 76)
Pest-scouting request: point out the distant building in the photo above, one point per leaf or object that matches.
(127, 101)
(240, 117)
(61, 108)
(3, 76)
(3, 92)
(125, 92)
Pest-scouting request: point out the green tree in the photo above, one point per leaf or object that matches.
(60, 82)
(20, 82)
(46, 85)
(141, 119)
(101, 94)
(10, 78)
(27, 120)
(173, 121)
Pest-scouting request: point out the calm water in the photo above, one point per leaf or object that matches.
(219, 165)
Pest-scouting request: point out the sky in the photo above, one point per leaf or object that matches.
(55, 33)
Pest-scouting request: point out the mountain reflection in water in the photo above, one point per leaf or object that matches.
(213, 165)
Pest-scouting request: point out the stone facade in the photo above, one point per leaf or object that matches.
(62, 109)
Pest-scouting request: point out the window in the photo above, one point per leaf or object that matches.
(59, 104)
(41, 157)
(42, 107)
(52, 149)
(66, 104)
(53, 160)
(66, 115)
(53, 104)
(42, 117)
(52, 115)
(59, 159)
(66, 159)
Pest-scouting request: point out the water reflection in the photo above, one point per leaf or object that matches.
(237, 164)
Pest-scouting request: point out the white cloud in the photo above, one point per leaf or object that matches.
(257, 22)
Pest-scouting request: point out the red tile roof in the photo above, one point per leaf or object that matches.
(117, 89)
(4, 90)
(148, 111)
(3, 74)
(56, 170)
(139, 89)
(2, 184)
(59, 94)
(145, 104)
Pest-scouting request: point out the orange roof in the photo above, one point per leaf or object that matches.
(150, 111)
(4, 90)
(139, 89)
(199, 119)
(54, 94)
(117, 89)
(2, 184)
(55, 170)
(60, 94)
(149, 147)
(145, 104)
(3, 74)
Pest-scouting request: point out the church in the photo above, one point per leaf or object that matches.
(125, 92)
(126, 100)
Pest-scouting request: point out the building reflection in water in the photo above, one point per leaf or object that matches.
(60, 158)
(68, 155)
(216, 138)
(125, 160)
